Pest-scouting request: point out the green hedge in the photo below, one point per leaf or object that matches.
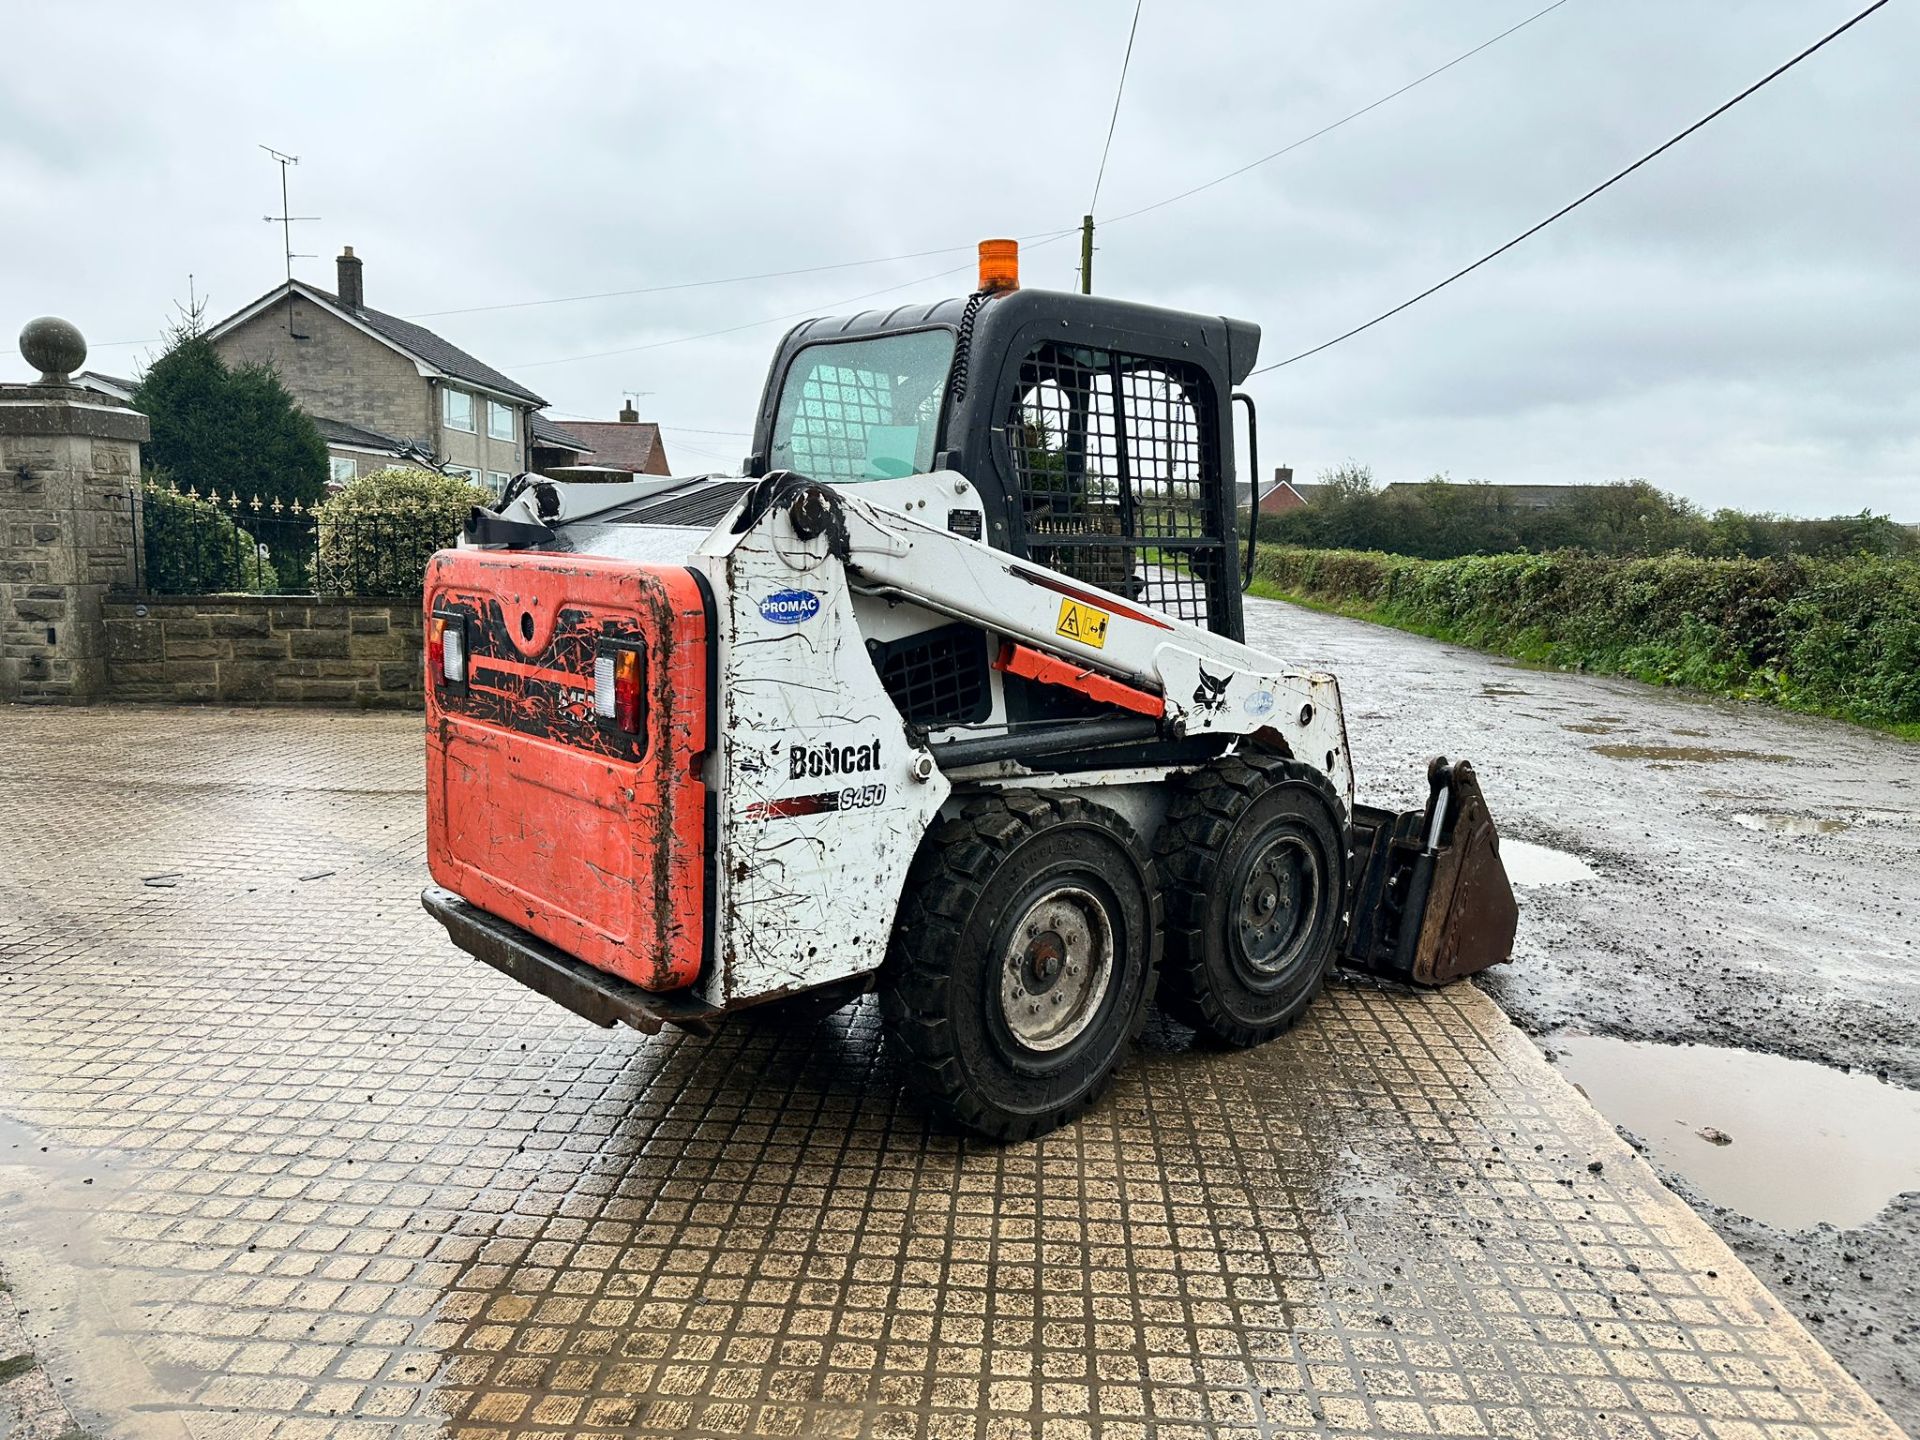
(1837, 637)
(192, 546)
(378, 531)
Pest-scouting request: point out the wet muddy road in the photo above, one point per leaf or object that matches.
(1751, 879)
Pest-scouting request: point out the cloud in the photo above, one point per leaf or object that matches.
(1728, 323)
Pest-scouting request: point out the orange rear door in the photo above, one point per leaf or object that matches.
(545, 813)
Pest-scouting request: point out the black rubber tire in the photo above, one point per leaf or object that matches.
(975, 878)
(1219, 820)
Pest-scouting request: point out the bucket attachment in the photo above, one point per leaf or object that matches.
(1430, 899)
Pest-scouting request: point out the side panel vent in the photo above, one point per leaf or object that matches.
(702, 504)
(938, 677)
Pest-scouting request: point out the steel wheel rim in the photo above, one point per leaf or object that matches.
(1056, 969)
(1276, 901)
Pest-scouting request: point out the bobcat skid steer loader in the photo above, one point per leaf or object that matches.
(945, 695)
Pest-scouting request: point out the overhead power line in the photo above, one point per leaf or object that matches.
(824, 308)
(1344, 119)
(1568, 209)
(1086, 220)
(1118, 90)
(701, 284)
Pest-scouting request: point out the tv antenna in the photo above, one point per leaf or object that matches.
(286, 220)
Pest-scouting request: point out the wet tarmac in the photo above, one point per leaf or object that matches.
(1754, 885)
(280, 1163)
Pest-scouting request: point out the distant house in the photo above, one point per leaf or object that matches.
(629, 443)
(109, 385)
(555, 446)
(366, 450)
(1278, 497)
(1520, 497)
(381, 389)
(1286, 493)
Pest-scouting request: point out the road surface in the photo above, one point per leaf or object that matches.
(1754, 883)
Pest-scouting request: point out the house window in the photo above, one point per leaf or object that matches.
(456, 410)
(497, 481)
(458, 472)
(341, 468)
(499, 420)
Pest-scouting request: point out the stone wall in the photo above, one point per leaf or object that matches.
(251, 648)
(68, 534)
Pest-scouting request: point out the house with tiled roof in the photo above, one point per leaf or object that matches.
(116, 387)
(383, 390)
(629, 443)
(555, 446)
(1284, 494)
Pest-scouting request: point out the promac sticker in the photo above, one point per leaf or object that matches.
(790, 607)
(1083, 623)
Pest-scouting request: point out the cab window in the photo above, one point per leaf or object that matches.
(855, 410)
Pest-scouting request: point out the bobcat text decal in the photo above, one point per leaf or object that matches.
(810, 762)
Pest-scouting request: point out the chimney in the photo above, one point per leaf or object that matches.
(351, 293)
(629, 415)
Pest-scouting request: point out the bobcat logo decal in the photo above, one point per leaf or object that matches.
(1210, 693)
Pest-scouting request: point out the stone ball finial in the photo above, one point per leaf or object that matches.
(56, 346)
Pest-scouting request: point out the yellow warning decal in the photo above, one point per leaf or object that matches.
(1083, 623)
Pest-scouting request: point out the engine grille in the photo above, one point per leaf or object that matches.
(938, 677)
(705, 503)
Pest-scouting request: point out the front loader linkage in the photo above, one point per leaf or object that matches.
(1430, 900)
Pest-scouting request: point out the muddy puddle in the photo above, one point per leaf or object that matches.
(1528, 864)
(1786, 1142)
(1794, 825)
(1692, 754)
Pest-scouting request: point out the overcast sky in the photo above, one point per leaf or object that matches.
(1739, 322)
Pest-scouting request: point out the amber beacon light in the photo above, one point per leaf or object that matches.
(999, 264)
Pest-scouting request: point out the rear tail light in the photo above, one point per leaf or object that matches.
(447, 648)
(618, 675)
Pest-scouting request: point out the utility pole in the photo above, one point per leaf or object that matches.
(1086, 254)
(286, 221)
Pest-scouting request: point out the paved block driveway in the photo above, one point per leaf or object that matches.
(277, 1161)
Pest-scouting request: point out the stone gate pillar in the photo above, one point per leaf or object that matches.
(69, 468)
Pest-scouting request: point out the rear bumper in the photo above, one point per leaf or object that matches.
(592, 994)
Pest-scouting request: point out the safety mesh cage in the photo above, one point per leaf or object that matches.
(1116, 463)
(938, 677)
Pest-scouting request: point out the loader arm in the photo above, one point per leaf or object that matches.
(1194, 681)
